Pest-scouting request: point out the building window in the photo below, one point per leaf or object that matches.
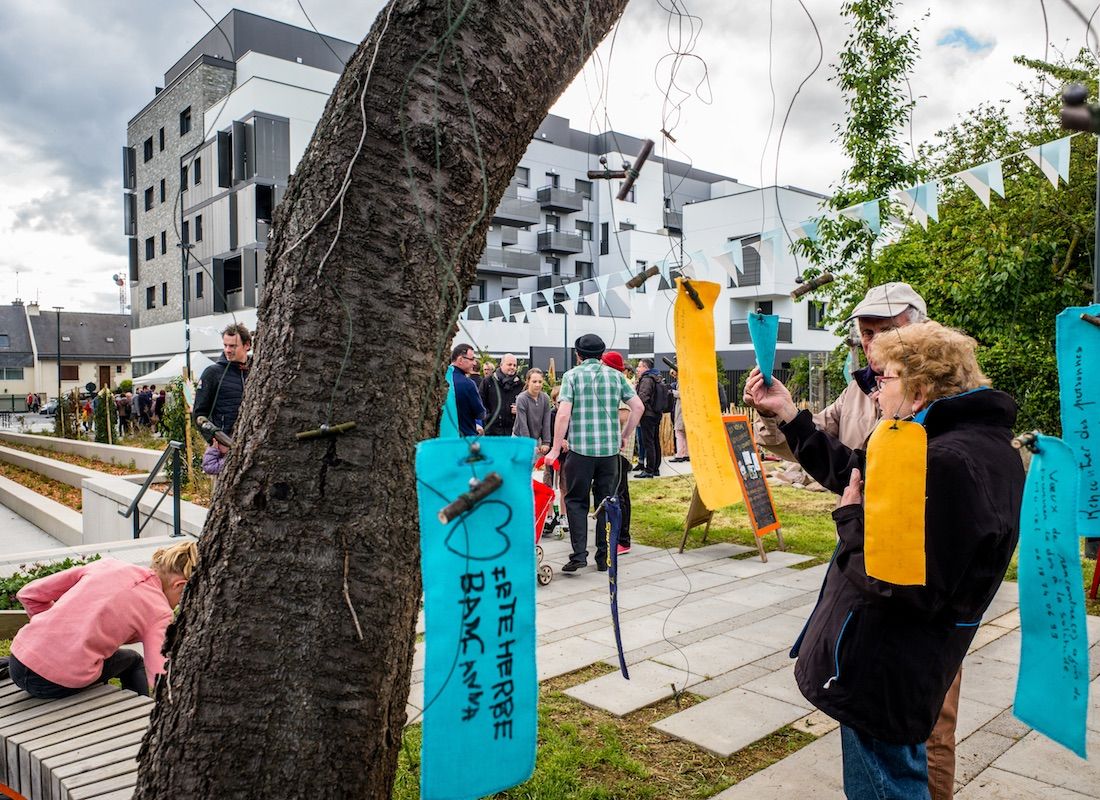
(183, 178)
(70, 372)
(149, 199)
(160, 136)
(477, 292)
(625, 226)
(629, 195)
(605, 238)
(553, 222)
(162, 190)
(750, 258)
(198, 227)
(584, 270)
(584, 229)
(11, 374)
(147, 149)
(196, 172)
(185, 232)
(5, 341)
(553, 179)
(198, 284)
(150, 249)
(762, 307)
(584, 188)
(815, 319)
(639, 268)
(523, 177)
(118, 367)
(555, 266)
(164, 293)
(151, 297)
(185, 121)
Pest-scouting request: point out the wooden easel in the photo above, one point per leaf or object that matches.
(698, 514)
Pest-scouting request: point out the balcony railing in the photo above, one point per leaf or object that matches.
(552, 241)
(515, 212)
(640, 345)
(509, 261)
(509, 236)
(739, 331)
(554, 199)
(674, 221)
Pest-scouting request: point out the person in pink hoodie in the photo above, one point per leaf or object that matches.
(81, 617)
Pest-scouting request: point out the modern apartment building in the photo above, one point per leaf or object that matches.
(210, 156)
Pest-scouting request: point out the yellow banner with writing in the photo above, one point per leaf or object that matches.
(897, 471)
(697, 366)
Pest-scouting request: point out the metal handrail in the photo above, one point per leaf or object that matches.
(173, 451)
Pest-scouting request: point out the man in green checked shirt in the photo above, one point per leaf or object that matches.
(589, 407)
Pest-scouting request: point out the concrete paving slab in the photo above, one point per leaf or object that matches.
(414, 708)
(1008, 590)
(780, 685)
(778, 632)
(805, 579)
(989, 680)
(1005, 648)
(813, 772)
(419, 649)
(976, 752)
(713, 656)
(711, 552)
(21, 536)
(696, 580)
(644, 631)
(741, 568)
(1094, 705)
(1010, 620)
(1006, 724)
(1038, 758)
(707, 611)
(730, 721)
(816, 723)
(570, 614)
(649, 683)
(760, 595)
(568, 655)
(730, 680)
(636, 570)
(972, 714)
(631, 597)
(986, 633)
(997, 784)
(998, 608)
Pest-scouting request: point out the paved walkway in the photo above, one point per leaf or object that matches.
(722, 626)
(19, 536)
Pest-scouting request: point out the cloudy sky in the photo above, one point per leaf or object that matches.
(76, 71)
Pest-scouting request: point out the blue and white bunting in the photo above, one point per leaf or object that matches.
(983, 178)
(732, 260)
(548, 296)
(807, 229)
(483, 310)
(922, 202)
(1053, 159)
(867, 213)
(573, 292)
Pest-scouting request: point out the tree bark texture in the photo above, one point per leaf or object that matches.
(272, 692)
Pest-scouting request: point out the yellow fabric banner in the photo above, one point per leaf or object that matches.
(897, 471)
(711, 461)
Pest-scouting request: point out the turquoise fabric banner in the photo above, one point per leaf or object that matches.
(480, 683)
(1078, 351)
(448, 419)
(1053, 685)
(764, 331)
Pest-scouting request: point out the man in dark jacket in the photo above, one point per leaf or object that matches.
(221, 387)
(467, 403)
(650, 389)
(498, 394)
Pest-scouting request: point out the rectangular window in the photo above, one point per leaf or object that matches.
(198, 284)
(5, 341)
(552, 179)
(639, 268)
(164, 294)
(147, 149)
(763, 306)
(584, 229)
(625, 226)
(196, 172)
(163, 188)
(118, 369)
(523, 177)
(605, 238)
(477, 292)
(553, 222)
(584, 188)
(750, 256)
(183, 178)
(70, 372)
(629, 195)
(149, 199)
(584, 269)
(151, 297)
(815, 319)
(185, 121)
(12, 373)
(185, 232)
(163, 242)
(160, 136)
(198, 227)
(555, 266)
(150, 249)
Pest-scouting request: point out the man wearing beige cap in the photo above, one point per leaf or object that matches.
(851, 418)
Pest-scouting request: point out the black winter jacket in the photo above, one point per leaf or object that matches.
(499, 391)
(879, 657)
(221, 389)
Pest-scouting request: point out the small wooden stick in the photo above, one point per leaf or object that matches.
(694, 295)
(641, 278)
(1091, 319)
(810, 285)
(467, 500)
(1028, 440)
(326, 430)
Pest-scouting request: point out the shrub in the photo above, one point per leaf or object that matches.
(12, 584)
(125, 385)
(106, 417)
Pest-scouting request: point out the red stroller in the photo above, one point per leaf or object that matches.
(544, 500)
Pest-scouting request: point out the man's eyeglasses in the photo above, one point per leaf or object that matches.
(880, 379)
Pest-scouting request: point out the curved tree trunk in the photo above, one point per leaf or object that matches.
(272, 690)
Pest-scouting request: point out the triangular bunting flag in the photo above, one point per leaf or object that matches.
(483, 309)
(768, 246)
(548, 296)
(573, 290)
(1053, 159)
(663, 268)
(505, 306)
(922, 202)
(984, 177)
(464, 314)
(593, 301)
(732, 259)
(868, 213)
(527, 301)
(807, 229)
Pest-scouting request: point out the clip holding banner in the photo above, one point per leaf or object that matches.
(764, 332)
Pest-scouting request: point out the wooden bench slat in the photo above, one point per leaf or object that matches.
(106, 747)
(127, 781)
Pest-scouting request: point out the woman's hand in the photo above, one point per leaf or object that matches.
(853, 492)
(770, 401)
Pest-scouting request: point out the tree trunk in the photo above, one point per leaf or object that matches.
(273, 692)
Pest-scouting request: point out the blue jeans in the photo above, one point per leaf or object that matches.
(877, 770)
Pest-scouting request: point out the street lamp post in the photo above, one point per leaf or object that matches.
(57, 410)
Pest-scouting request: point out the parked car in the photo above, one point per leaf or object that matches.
(50, 408)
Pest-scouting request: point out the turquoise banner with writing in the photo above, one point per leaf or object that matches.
(1052, 689)
(480, 684)
(764, 332)
(1078, 350)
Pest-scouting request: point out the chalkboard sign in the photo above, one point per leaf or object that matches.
(754, 483)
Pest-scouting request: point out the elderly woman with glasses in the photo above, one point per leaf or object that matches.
(879, 657)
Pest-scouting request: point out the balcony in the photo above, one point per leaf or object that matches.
(640, 344)
(509, 236)
(509, 261)
(515, 212)
(739, 331)
(553, 199)
(674, 221)
(552, 241)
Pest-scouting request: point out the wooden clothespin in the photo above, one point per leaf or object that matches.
(466, 501)
(1028, 440)
(691, 293)
(1091, 319)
